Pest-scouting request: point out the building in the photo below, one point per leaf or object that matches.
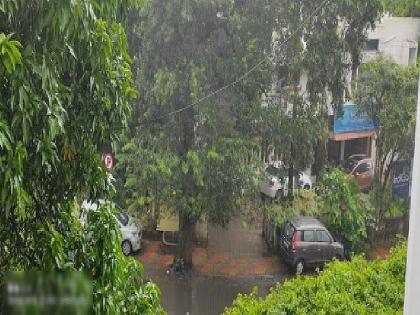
(396, 38)
(354, 133)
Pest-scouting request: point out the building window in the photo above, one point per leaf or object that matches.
(412, 56)
(372, 45)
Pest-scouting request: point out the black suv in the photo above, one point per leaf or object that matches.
(305, 242)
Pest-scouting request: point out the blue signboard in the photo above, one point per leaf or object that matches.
(401, 182)
(352, 121)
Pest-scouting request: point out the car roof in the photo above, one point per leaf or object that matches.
(358, 157)
(305, 222)
(367, 160)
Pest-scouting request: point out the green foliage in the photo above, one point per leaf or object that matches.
(185, 50)
(65, 87)
(148, 172)
(403, 8)
(338, 203)
(9, 53)
(305, 203)
(388, 93)
(310, 77)
(356, 287)
(347, 212)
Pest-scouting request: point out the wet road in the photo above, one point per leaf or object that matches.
(204, 295)
(234, 262)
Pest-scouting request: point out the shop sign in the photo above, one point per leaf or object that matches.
(401, 181)
(352, 121)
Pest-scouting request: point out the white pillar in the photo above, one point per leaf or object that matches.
(412, 277)
(342, 149)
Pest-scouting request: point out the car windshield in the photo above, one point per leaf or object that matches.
(349, 165)
(289, 230)
(123, 218)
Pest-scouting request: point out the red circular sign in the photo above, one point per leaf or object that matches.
(108, 161)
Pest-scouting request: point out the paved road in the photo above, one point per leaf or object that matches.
(234, 262)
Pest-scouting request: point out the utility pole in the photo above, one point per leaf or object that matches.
(412, 276)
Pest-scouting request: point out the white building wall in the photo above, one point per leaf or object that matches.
(396, 35)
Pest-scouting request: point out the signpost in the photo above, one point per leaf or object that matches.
(108, 159)
(401, 182)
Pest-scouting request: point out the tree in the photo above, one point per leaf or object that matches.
(404, 8)
(65, 87)
(387, 92)
(311, 71)
(345, 210)
(185, 50)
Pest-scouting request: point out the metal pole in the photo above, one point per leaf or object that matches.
(412, 277)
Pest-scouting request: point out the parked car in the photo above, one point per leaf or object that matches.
(277, 181)
(360, 169)
(131, 234)
(305, 242)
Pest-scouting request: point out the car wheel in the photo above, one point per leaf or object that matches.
(126, 248)
(279, 195)
(300, 265)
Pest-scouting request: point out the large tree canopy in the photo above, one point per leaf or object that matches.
(189, 49)
(185, 50)
(387, 92)
(65, 86)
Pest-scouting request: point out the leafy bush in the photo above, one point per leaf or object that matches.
(356, 287)
(305, 203)
(95, 250)
(339, 204)
(347, 212)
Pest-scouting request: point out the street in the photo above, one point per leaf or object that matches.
(235, 261)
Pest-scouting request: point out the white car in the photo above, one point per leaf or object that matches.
(277, 183)
(130, 233)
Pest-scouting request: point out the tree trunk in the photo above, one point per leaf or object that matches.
(320, 157)
(291, 173)
(354, 67)
(184, 248)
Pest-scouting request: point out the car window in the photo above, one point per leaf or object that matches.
(363, 168)
(289, 230)
(308, 236)
(123, 218)
(322, 236)
(349, 165)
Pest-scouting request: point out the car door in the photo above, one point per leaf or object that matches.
(309, 247)
(362, 174)
(324, 241)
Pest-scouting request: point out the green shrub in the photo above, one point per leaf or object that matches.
(346, 211)
(305, 203)
(338, 204)
(356, 287)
